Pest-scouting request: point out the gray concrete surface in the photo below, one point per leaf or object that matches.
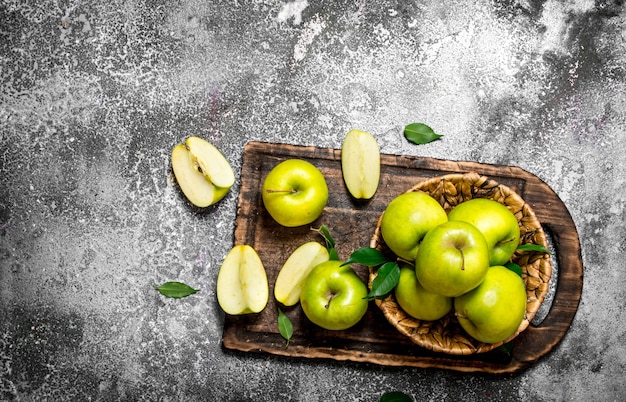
(95, 94)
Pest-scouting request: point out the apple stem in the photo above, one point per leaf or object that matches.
(505, 241)
(332, 296)
(281, 191)
(462, 260)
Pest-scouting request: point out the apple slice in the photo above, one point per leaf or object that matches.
(202, 172)
(294, 272)
(360, 164)
(242, 286)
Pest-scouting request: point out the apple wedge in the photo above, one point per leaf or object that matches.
(360, 164)
(242, 286)
(202, 172)
(294, 272)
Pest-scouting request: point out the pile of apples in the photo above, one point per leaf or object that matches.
(294, 193)
(449, 261)
(456, 261)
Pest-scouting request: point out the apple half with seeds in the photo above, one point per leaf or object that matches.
(295, 271)
(242, 286)
(360, 164)
(202, 172)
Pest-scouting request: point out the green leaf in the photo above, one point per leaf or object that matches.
(420, 133)
(176, 290)
(386, 279)
(506, 348)
(330, 242)
(332, 253)
(533, 247)
(395, 396)
(514, 267)
(368, 256)
(284, 326)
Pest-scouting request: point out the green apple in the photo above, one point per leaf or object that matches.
(202, 172)
(452, 259)
(333, 296)
(296, 269)
(494, 310)
(294, 192)
(495, 221)
(417, 301)
(360, 164)
(242, 285)
(407, 219)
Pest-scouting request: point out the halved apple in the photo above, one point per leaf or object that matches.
(294, 272)
(242, 286)
(360, 164)
(202, 172)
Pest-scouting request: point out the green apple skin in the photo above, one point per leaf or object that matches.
(333, 296)
(494, 310)
(407, 219)
(295, 193)
(452, 259)
(417, 301)
(495, 221)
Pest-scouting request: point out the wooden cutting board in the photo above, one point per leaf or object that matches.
(351, 223)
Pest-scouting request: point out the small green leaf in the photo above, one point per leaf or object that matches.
(506, 348)
(386, 279)
(514, 267)
(284, 326)
(323, 230)
(368, 256)
(332, 253)
(533, 247)
(176, 290)
(395, 396)
(420, 133)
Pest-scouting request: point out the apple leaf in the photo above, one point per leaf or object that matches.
(395, 396)
(506, 348)
(323, 230)
(514, 267)
(533, 247)
(386, 279)
(284, 326)
(330, 242)
(176, 290)
(420, 133)
(368, 256)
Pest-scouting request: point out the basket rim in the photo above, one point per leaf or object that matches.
(458, 342)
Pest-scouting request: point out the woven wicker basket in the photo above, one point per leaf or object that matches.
(446, 335)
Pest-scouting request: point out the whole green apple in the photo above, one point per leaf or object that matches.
(333, 296)
(407, 219)
(452, 259)
(417, 301)
(494, 310)
(495, 221)
(295, 192)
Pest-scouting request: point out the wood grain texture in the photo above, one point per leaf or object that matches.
(352, 223)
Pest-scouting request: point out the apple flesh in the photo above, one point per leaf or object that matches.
(494, 310)
(495, 221)
(202, 172)
(417, 301)
(333, 296)
(407, 219)
(360, 164)
(296, 269)
(242, 285)
(452, 259)
(294, 192)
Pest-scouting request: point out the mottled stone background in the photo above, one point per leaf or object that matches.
(95, 94)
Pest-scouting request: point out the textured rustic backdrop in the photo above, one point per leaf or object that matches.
(95, 94)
